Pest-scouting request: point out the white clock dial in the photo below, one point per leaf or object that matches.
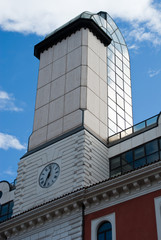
(49, 175)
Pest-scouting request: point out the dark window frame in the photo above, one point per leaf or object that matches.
(6, 215)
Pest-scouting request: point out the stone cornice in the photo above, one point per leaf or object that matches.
(148, 177)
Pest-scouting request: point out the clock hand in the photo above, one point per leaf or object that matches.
(48, 176)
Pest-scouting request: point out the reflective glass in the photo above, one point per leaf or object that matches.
(139, 163)
(116, 172)
(127, 125)
(127, 80)
(128, 99)
(120, 101)
(126, 62)
(119, 81)
(111, 47)
(119, 35)
(126, 132)
(97, 20)
(112, 114)
(128, 108)
(125, 52)
(127, 89)
(110, 55)
(111, 83)
(128, 119)
(118, 54)
(109, 235)
(151, 121)
(115, 162)
(139, 126)
(111, 22)
(101, 236)
(152, 158)
(110, 134)
(120, 111)
(151, 147)
(105, 227)
(126, 71)
(110, 64)
(127, 168)
(111, 93)
(103, 22)
(127, 157)
(121, 122)
(139, 152)
(119, 72)
(119, 63)
(118, 46)
(4, 209)
(115, 38)
(111, 74)
(112, 125)
(112, 104)
(109, 28)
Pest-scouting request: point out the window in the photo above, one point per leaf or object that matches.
(157, 202)
(104, 231)
(6, 211)
(135, 158)
(103, 228)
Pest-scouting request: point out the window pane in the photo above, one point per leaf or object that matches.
(101, 236)
(104, 227)
(127, 157)
(4, 209)
(139, 152)
(152, 158)
(151, 147)
(116, 172)
(127, 168)
(139, 163)
(109, 235)
(115, 162)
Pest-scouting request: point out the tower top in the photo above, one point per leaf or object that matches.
(84, 20)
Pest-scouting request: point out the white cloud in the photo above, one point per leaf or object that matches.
(42, 17)
(10, 172)
(8, 141)
(153, 73)
(7, 102)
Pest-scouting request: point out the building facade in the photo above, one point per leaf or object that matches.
(88, 172)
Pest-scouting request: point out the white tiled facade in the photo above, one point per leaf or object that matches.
(72, 79)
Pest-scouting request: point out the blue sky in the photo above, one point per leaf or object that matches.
(22, 26)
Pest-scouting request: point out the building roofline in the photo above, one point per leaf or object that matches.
(69, 29)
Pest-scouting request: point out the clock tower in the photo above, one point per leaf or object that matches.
(74, 112)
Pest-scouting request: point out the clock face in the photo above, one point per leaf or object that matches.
(49, 175)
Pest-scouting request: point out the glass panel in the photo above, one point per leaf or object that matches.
(110, 64)
(119, 81)
(116, 172)
(128, 119)
(127, 168)
(120, 111)
(114, 37)
(126, 132)
(118, 54)
(109, 235)
(119, 72)
(104, 227)
(119, 35)
(127, 89)
(121, 122)
(126, 62)
(112, 114)
(112, 125)
(4, 209)
(115, 162)
(111, 22)
(118, 46)
(151, 147)
(126, 71)
(119, 91)
(151, 121)
(125, 52)
(111, 74)
(97, 20)
(119, 63)
(152, 158)
(101, 236)
(114, 138)
(111, 47)
(120, 101)
(139, 163)
(138, 152)
(110, 55)
(128, 99)
(109, 28)
(112, 104)
(139, 126)
(111, 93)
(111, 83)
(128, 108)
(127, 80)
(11, 207)
(127, 157)
(103, 22)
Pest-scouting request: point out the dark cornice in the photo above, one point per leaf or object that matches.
(68, 30)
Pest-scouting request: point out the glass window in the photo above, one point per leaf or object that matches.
(112, 104)
(139, 163)
(119, 91)
(121, 122)
(153, 157)
(105, 231)
(112, 125)
(111, 64)
(119, 63)
(112, 114)
(110, 55)
(120, 101)
(6, 211)
(151, 147)
(111, 83)
(119, 72)
(115, 162)
(111, 93)
(127, 157)
(116, 172)
(120, 111)
(127, 167)
(139, 152)
(111, 74)
(119, 81)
